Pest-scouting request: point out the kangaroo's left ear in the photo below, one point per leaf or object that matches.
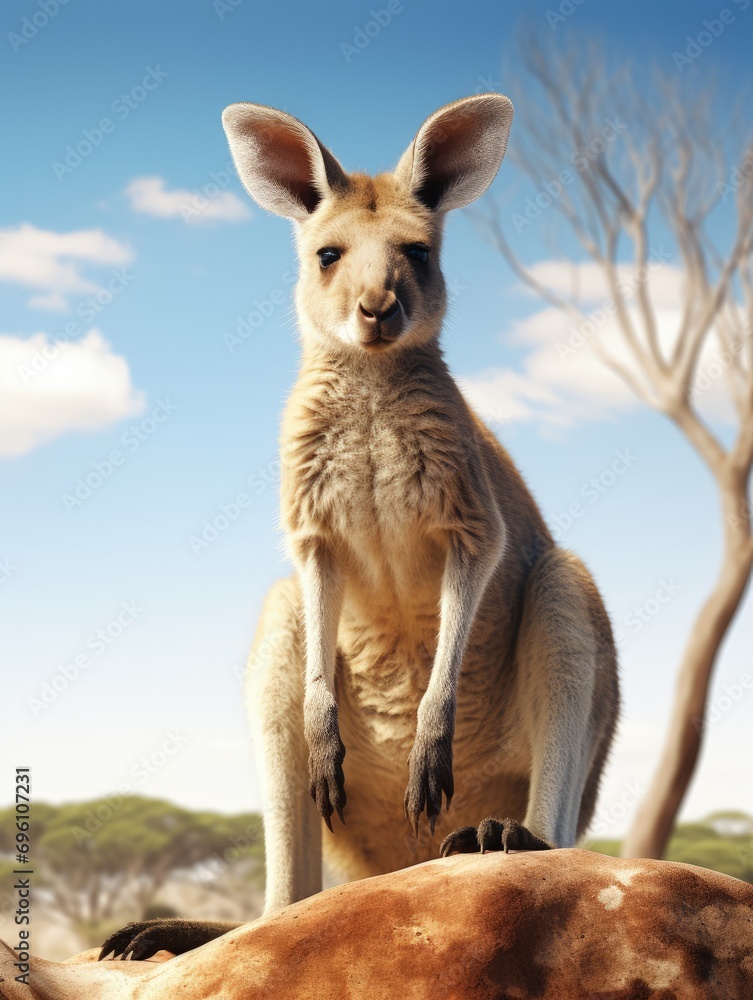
(457, 152)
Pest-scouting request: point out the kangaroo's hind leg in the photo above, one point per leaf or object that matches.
(568, 665)
(569, 701)
(275, 688)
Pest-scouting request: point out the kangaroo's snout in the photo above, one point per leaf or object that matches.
(378, 324)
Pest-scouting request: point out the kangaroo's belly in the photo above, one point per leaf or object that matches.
(382, 673)
(381, 677)
(387, 642)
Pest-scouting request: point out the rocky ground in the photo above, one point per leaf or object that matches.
(555, 925)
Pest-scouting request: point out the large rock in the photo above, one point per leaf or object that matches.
(556, 925)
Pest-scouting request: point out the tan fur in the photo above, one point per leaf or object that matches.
(417, 545)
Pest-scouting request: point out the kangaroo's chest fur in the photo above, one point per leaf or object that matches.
(372, 462)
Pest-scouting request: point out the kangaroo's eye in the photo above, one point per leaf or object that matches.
(416, 251)
(327, 256)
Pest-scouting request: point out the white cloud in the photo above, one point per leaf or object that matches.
(149, 196)
(52, 263)
(590, 282)
(49, 389)
(55, 302)
(501, 394)
(561, 379)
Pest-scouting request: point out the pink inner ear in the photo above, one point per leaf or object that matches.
(447, 152)
(287, 159)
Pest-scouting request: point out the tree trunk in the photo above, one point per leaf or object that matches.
(652, 826)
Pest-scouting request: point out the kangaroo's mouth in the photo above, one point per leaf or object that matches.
(378, 343)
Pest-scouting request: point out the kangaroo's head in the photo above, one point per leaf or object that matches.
(370, 276)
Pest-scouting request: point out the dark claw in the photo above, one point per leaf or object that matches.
(490, 835)
(413, 809)
(519, 838)
(462, 841)
(143, 946)
(409, 816)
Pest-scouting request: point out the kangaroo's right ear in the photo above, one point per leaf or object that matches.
(280, 161)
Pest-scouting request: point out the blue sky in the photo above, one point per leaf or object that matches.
(193, 423)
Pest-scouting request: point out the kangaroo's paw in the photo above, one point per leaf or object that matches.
(144, 938)
(429, 776)
(492, 835)
(326, 777)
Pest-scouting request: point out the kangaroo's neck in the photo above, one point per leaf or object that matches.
(391, 374)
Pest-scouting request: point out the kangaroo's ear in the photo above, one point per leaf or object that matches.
(282, 164)
(457, 152)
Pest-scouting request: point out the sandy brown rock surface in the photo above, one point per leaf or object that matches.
(559, 925)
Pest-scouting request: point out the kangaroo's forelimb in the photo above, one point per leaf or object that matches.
(321, 582)
(465, 579)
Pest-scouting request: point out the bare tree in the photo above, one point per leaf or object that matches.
(670, 170)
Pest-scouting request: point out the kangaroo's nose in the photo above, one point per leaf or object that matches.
(379, 319)
(382, 315)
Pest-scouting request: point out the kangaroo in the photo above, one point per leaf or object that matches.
(432, 629)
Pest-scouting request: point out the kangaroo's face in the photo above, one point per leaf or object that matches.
(369, 248)
(370, 276)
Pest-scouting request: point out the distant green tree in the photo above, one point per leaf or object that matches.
(721, 854)
(702, 844)
(113, 855)
(609, 847)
